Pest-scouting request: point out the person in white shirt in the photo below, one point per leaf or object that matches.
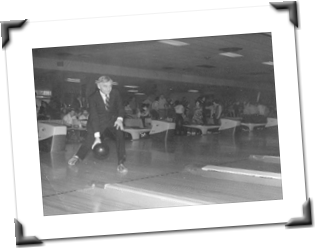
(162, 102)
(254, 113)
(70, 118)
(253, 109)
(179, 109)
(218, 110)
(263, 110)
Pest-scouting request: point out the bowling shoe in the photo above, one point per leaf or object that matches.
(121, 168)
(73, 160)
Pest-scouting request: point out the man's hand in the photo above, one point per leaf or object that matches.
(96, 141)
(119, 124)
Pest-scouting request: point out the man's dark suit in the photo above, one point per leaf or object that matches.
(102, 120)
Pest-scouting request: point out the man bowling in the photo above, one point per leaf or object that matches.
(106, 115)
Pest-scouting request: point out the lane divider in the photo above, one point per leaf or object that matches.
(163, 197)
(253, 173)
(266, 158)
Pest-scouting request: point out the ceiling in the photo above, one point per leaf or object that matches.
(197, 65)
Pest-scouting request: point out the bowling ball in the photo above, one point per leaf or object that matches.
(101, 151)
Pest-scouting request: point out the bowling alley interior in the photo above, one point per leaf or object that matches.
(200, 124)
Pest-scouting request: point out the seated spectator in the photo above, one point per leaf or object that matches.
(83, 118)
(128, 109)
(70, 119)
(63, 112)
(197, 118)
(144, 113)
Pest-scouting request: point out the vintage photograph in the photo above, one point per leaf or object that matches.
(154, 124)
(157, 124)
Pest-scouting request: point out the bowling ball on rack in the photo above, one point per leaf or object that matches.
(101, 151)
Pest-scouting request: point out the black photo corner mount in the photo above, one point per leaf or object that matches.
(5, 29)
(291, 6)
(20, 239)
(306, 220)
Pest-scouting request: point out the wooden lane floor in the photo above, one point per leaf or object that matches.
(157, 170)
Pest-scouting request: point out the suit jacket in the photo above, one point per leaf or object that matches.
(99, 117)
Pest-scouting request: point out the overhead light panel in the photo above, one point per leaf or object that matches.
(132, 90)
(131, 86)
(193, 91)
(232, 55)
(73, 80)
(268, 63)
(174, 42)
(43, 93)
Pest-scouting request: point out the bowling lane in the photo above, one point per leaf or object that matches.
(213, 187)
(85, 201)
(226, 151)
(172, 169)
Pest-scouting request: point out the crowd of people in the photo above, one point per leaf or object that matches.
(77, 119)
(204, 111)
(74, 114)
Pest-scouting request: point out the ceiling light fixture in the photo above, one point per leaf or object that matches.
(131, 86)
(268, 63)
(193, 91)
(173, 42)
(132, 90)
(73, 80)
(232, 55)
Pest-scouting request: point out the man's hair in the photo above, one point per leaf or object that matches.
(105, 79)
